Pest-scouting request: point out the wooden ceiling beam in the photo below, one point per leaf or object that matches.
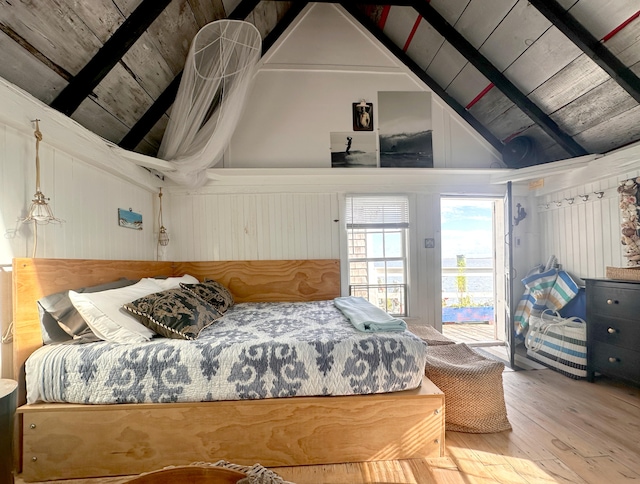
(591, 46)
(419, 72)
(485, 67)
(108, 56)
(244, 8)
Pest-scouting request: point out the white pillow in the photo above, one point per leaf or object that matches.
(174, 282)
(104, 314)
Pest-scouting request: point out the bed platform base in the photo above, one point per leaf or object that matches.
(63, 441)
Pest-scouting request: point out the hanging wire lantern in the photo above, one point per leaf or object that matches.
(39, 212)
(163, 236)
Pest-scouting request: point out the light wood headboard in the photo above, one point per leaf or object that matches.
(249, 281)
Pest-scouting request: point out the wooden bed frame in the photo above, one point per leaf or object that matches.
(63, 441)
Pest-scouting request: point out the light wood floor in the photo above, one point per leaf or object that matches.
(564, 431)
(469, 332)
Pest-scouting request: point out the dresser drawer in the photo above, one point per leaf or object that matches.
(607, 299)
(618, 332)
(615, 361)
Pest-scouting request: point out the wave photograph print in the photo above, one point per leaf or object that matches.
(404, 120)
(353, 150)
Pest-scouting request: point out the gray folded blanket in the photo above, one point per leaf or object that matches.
(367, 317)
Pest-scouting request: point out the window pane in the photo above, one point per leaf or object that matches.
(395, 272)
(393, 244)
(375, 244)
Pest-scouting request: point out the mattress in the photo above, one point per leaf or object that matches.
(256, 350)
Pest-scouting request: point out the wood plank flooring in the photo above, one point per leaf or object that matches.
(564, 431)
(469, 332)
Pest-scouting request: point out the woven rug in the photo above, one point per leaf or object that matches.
(255, 474)
(472, 386)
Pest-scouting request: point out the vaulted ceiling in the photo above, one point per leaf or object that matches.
(541, 80)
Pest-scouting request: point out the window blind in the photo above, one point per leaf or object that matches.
(377, 212)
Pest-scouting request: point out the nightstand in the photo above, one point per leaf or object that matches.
(613, 329)
(8, 400)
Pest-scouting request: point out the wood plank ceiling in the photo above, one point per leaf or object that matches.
(541, 80)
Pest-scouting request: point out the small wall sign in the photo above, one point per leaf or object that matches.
(129, 219)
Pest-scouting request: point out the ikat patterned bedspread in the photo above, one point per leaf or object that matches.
(256, 350)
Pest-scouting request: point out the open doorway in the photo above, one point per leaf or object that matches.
(472, 270)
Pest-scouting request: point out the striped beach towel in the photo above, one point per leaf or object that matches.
(551, 289)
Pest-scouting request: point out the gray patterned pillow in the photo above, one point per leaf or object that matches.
(174, 313)
(60, 320)
(212, 292)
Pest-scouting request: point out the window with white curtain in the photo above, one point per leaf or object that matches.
(377, 231)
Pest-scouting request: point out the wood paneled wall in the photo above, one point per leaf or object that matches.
(258, 226)
(87, 199)
(584, 235)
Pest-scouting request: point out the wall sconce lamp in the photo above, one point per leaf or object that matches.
(520, 214)
(163, 236)
(39, 212)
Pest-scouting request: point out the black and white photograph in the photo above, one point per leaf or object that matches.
(362, 116)
(353, 150)
(404, 124)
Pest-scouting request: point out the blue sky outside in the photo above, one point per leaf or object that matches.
(467, 228)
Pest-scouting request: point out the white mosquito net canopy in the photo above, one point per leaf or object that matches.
(215, 81)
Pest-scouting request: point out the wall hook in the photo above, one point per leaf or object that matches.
(520, 214)
(569, 200)
(599, 194)
(584, 197)
(558, 203)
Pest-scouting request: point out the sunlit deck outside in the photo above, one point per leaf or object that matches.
(469, 332)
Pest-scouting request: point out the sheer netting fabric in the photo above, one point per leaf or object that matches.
(217, 76)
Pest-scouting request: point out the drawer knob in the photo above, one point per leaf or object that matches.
(611, 301)
(612, 330)
(612, 359)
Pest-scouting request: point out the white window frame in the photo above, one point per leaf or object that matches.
(395, 217)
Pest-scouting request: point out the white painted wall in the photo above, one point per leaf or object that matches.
(305, 87)
(86, 183)
(85, 197)
(585, 235)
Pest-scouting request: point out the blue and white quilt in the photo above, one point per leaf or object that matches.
(257, 350)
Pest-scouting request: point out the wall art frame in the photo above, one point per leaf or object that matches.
(362, 116)
(129, 219)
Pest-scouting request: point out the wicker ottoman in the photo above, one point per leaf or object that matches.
(472, 386)
(429, 334)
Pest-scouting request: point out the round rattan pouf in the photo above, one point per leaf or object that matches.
(191, 475)
(472, 387)
(220, 472)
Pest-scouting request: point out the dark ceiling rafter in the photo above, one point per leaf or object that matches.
(485, 67)
(424, 77)
(591, 46)
(108, 56)
(165, 100)
(243, 9)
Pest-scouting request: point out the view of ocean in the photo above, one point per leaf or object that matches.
(479, 286)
